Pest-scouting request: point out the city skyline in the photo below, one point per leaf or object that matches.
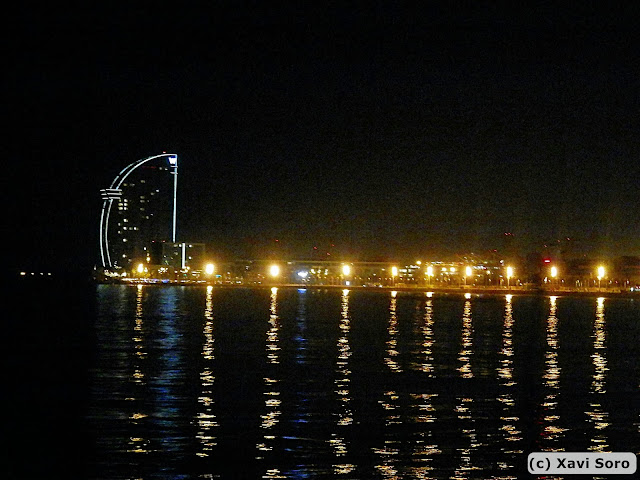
(144, 230)
(388, 134)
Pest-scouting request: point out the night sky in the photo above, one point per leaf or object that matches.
(386, 132)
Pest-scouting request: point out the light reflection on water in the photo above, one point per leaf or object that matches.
(392, 343)
(342, 390)
(512, 436)
(464, 405)
(551, 432)
(598, 416)
(205, 418)
(271, 394)
(351, 384)
(386, 454)
(138, 443)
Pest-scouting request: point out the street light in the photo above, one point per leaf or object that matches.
(209, 268)
(467, 273)
(274, 270)
(429, 273)
(394, 274)
(346, 271)
(554, 273)
(600, 275)
(509, 275)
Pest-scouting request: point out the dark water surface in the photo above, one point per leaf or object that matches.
(199, 382)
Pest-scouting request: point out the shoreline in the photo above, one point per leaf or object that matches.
(399, 288)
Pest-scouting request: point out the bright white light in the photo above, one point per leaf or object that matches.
(467, 296)
(468, 271)
(140, 268)
(509, 272)
(303, 274)
(209, 269)
(346, 270)
(173, 160)
(274, 270)
(554, 272)
(600, 272)
(394, 271)
(430, 271)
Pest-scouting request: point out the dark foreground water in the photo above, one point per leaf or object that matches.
(196, 382)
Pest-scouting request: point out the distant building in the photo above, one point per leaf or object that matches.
(184, 255)
(141, 212)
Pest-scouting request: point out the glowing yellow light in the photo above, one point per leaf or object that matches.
(209, 268)
(430, 271)
(554, 272)
(467, 296)
(140, 268)
(509, 272)
(274, 270)
(468, 271)
(394, 271)
(452, 269)
(346, 270)
(600, 272)
(418, 262)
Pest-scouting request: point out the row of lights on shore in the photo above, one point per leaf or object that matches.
(274, 271)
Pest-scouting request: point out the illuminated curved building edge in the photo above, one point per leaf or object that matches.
(114, 192)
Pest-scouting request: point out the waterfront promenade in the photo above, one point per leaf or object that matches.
(427, 289)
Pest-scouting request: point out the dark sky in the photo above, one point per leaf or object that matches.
(389, 133)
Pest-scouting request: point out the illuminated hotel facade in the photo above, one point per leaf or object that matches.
(138, 208)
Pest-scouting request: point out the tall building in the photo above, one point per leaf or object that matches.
(182, 255)
(140, 211)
